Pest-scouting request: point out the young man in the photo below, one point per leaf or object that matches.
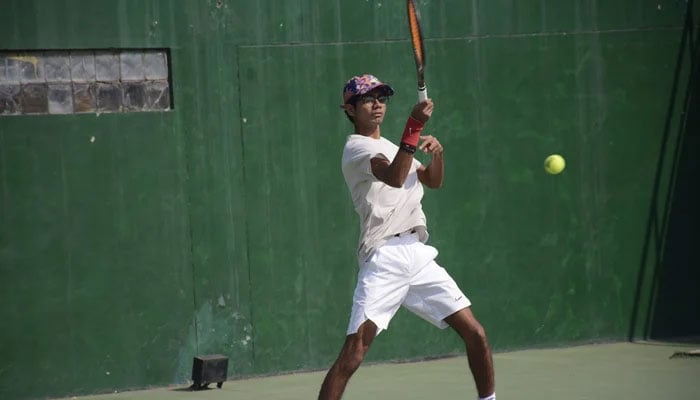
(396, 266)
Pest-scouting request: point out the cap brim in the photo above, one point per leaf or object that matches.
(387, 89)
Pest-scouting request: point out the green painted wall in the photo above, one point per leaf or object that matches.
(224, 226)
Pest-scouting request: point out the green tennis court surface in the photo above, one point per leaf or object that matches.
(604, 371)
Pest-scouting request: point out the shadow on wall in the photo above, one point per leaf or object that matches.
(670, 264)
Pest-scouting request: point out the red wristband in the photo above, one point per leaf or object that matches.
(411, 133)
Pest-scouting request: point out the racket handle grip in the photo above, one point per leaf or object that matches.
(422, 94)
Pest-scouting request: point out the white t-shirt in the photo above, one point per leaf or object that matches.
(383, 210)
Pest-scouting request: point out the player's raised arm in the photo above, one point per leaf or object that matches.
(395, 173)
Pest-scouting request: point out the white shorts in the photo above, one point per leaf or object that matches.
(403, 272)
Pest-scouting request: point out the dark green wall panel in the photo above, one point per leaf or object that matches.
(576, 237)
(224, 225)
(83, 205)
(159, 256)
(211, 125)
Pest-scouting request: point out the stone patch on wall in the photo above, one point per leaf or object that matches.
(79, 81)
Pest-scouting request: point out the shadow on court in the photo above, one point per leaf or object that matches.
(638, 371)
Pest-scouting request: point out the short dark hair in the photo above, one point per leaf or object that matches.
(350, 117)
(353, 102)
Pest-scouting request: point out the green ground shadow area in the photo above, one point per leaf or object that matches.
(600, 371)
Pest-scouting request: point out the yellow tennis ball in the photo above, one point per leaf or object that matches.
(554, 164)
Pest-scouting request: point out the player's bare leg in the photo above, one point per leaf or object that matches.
(349, 359)
(478, 351)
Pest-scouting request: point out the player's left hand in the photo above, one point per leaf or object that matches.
(430, 145)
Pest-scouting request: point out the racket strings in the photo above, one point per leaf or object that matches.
(416, 37)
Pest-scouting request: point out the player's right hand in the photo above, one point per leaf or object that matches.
(422, 111)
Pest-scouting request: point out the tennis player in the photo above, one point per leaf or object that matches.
(396, 267)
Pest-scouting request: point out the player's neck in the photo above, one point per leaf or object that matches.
(369, 131)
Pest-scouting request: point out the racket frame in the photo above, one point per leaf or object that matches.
(418, 47)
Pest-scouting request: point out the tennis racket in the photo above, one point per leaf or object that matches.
(418, 49)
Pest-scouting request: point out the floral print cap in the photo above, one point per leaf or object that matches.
(359, 85)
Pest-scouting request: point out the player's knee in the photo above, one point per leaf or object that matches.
(475, 333)
(351, 362)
